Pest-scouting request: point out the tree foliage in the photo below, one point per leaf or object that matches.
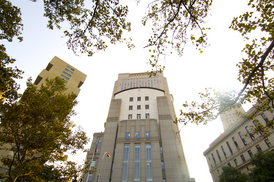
(263, 170)
(38, 129)
(10, 27)
(231, 174)
(256, 27)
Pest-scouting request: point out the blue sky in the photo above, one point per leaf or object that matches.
(187, 75)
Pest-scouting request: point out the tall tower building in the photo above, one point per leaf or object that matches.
(230, 117)
(57, 67)
(140, 136)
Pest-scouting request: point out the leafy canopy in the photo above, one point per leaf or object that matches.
(39, 130)
(231, 174)
(256, 27)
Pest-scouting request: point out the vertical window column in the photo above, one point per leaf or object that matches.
(125, 163)
(149, 163)
(137, 164)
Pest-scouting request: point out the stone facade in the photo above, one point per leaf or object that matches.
(237, 145)
(140, 135)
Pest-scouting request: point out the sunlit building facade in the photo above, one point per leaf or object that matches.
(237, 145)
(140, 136)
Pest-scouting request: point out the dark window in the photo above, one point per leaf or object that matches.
(223, 151)
(130, 116)
(258, 148)
(130, 99)
(268, 143)
(213, 158)
(250, 153)
(255, 122)
(250, 134)
(243, 158)
(147, 106)
(80, 84)
(236, 163)
(146, 98)
(138, 116)
(229, 148)
(241, 136)
(218, 156)
(229, 164)
(49, 67)
(38, 79)
(138, 98)
(138, 107)
(147, 115)
(163, 166)
(130, 107)
(265, 118)
(236, 144)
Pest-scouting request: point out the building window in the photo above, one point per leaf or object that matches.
(130, 116)
(89, 177)
(149, 163)
(97, 145)
(63, 76)
(127, 134)
(130, 107)
(255, 122)
(147, 115)
(164, 180)
(250, 153)
(213, 158)
(147, 106)
(250, 134)
(163, 166)
(229, 148)
(146, 98)
(138, 98)
(147, 134)
(68, 71)
(70, 68)
(125, 163)
(235, 162)
(138, 107)
(66, 74)
(137, 134)
(138, 116)
(258, 148)
(131, 99)
(211, 166)
(268, 143)
(218, 155)
(241, 136)
(229, 164)
(236, 144)
(161, 149)
(243, 158)
(223, 151)
(137, 164)
(265, 119)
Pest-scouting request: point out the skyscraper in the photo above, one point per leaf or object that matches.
(140, 136)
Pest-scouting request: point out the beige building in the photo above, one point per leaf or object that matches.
(56, 67)
(143, 141)
(236, 146)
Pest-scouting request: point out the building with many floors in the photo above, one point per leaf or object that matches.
(140, 136)
(236, 145)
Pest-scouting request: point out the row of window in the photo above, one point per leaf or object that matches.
(127, 87)
(255, 122)
(139, 99)
(138, 107)
(143, 80)
(137, 134)
(67, 73)
(138, 116)
(137, 163)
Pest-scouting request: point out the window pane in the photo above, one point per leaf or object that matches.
(127, 134)
(125, 163)
(149, 163)
(147, 134)
(137, 164)
(137, 134)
